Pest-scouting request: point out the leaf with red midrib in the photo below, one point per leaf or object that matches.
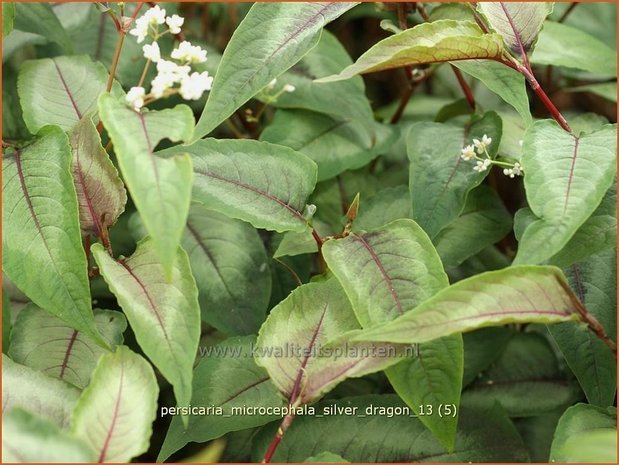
(520, 294)
(164, 316)
(100, 192)
(115, 412)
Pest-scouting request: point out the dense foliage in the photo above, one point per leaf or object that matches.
(222, 243)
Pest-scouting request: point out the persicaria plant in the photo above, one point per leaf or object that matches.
(226, 240)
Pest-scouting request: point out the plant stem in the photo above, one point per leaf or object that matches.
(567, 12)
(286, 422)
(115, 59)
(144, 71)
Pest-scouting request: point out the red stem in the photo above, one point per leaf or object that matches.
(286, 422)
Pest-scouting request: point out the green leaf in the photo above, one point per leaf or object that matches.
(483, 222)
(443, 40)
(334, 144)
(439, 179)
(229, 263)
(226, 377)
(342, 101)
(27, 438)
(325, 457)
(481, 349)
(39, 18)
(264, 184)
(271, 38)
(13, 126)
(317, 322)
(8, 16)
(115, 412)
(100, 192)
(505, 82)
(563, 45)
(6, 322)
(565, 180)
(594, 281)
(17, 40)
(164, 315)
(47, 344)
(382, 285)
(389, 204)
(41, 230)
(597, 234)
(60, 90)
(576, 430)
(522, 294)
(485, 435)
(607, 90)
(23, 387)
(518, 23)
(525, 379)
(160, 188)
(537, 434)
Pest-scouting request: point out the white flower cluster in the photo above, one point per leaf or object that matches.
(177, 69)
(478, 151)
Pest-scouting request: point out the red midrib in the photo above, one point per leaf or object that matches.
(384, 274)
(245, 389)
(114, 418)
(65, 361)
(260, 192)
(66, 89)
(82, 182)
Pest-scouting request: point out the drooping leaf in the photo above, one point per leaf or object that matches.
(483, 222)
(519, 23)
(164, 315)
(41, 230)
(485, 435)
(271, 38)
(226, 377)
(525, 380)
(597, 234)
(569, 46)
(39, 18)
(317, 322)
(577, 422)
(27, 438)
(60, 90)
(383, 284)
(505, 82)
(594, 281)
(520, 294)
(28, 389)
(160, 188)
(565, 181)
(342, 101)
(336, 145)
(13, 126)
(439, 41)
(229, 263)
(8, 16)
(100, 192)
(47, 344)
(439, 179)
(264, 184)
(115, 412)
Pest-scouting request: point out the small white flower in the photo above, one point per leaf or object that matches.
(508, 172)
(482, 144)
(189, 53)
(161, 83)
(155, 15)
(194, 85)
(289, 88)
(482, 165)
(468, 153)
(140, 30)
(271, 84)
(152, 52)
(135, 97)
(517, 169)
(175, 22)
